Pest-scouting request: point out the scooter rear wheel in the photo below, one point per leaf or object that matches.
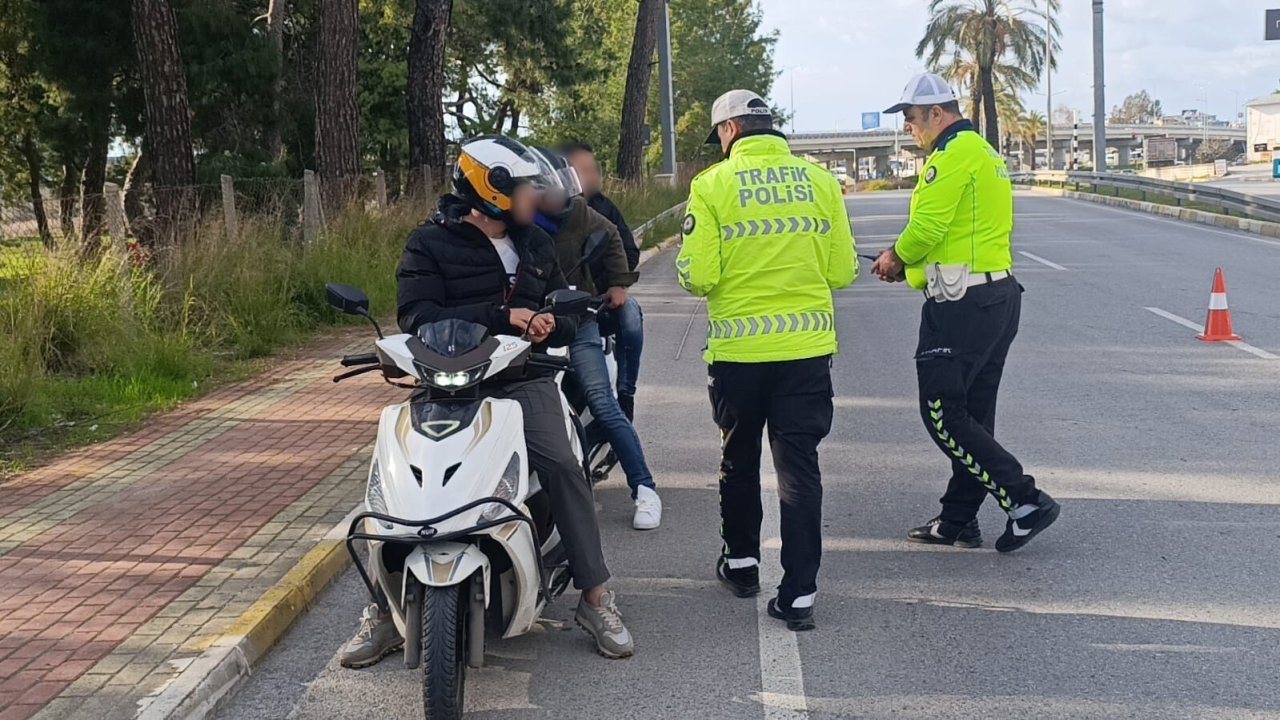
(444, 643)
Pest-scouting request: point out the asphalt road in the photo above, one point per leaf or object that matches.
(1153, 596)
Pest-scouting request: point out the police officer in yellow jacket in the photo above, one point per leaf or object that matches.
(956, 248)
(766, 241)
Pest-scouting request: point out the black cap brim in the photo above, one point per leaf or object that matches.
(897, 108)
(714, 137)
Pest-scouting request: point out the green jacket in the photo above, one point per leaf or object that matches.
(766, 240)
(579, 225)
(961, 210)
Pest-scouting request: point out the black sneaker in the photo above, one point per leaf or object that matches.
(742, 582)
(628, 405)
(940, 532)
(797, 619)
(1019, 532)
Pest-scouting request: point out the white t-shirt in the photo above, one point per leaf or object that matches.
(510, 258)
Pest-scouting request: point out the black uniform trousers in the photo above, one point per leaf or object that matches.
(794, 400)
(959, 363)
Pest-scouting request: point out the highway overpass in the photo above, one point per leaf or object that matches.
(879, 144)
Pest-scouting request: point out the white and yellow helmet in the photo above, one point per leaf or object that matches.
(490, 168)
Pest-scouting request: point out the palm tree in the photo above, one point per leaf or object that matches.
(962, 72)
(1009, 112)
(1033, 126)
(991, 32)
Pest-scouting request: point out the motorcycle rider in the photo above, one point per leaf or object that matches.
(480, 258)
(564, 214)
(626, 321)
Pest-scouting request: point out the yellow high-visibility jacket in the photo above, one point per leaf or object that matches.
(766, 241)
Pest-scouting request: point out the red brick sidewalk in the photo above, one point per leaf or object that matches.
(118, 563)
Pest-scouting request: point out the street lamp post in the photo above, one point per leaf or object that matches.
(1048, 81)
(1099, 94)
(665, 94)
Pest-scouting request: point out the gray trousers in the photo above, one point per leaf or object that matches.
(572, 503)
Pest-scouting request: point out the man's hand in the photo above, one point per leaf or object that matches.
(616, 297)
(543, 326)
(889, 266)
(537, 327)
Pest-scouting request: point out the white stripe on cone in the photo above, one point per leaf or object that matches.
(1217, 301)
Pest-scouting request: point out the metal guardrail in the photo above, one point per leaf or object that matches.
(673, 210)
(1229, 201)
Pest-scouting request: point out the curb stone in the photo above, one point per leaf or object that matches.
(195, 693)
(1199, 217)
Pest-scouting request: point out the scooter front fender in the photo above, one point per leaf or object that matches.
(446, 564)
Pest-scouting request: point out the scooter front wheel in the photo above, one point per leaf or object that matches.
(444, 643)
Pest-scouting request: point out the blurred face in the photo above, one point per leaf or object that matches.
(524, 203)
(588, 172)
(925, 124)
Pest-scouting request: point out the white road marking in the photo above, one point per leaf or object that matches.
(1246, 347)
(1040, 260)
(781, 677)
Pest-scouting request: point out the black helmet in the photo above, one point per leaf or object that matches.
(490, 168)
(558, 197)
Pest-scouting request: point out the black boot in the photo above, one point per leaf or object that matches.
(628, 405)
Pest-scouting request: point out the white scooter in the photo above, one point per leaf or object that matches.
(461, 540)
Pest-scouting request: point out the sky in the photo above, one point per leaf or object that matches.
(846, 57)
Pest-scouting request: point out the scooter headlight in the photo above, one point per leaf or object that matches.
(455, 380)
(374, 498)
(508, 484)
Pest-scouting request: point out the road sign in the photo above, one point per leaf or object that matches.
(870, 121)
(1273, 24)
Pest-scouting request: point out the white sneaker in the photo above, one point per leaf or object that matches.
(648, 509)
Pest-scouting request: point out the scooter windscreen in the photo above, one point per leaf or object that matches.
(452, 354)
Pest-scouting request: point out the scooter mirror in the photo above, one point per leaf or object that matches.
(347, 300)
(567, 303)
(594, 247)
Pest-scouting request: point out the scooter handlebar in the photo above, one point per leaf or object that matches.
(363, 359)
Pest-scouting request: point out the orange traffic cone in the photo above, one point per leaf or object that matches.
(1217, 326)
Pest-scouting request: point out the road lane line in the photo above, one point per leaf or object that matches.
(781, 677)
(1246, 347)
(1041, 260)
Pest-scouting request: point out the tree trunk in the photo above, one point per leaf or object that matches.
(135, 197)
(92, 204)
(1032, 154)
(635, 101)
(425, 94)
(989, 107)
(35, 172)
(337, 114)
(67, 199)
(168, 114)
(274, 139)
(975, 106)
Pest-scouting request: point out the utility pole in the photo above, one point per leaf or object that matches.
(1048, 82)
(665, 97)
(1099, 94)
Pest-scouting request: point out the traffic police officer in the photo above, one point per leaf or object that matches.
(766, 241)
(956, 249)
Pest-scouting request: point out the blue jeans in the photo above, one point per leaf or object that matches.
(626, 324)
(586, 355)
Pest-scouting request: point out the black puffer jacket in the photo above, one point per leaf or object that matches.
(450, 269)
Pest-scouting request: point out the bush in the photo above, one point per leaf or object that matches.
(87, 338)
